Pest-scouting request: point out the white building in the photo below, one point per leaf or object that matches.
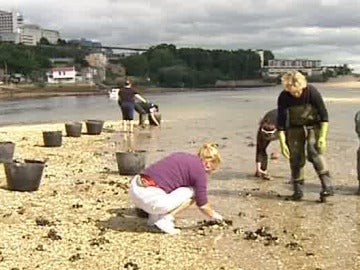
(51, 35)
(13, 29)
(31, 34)
(61, 75)
(277, 67)
(10, 26)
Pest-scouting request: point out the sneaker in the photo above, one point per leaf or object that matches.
(166, 224)
(264, 176)
(152, 219)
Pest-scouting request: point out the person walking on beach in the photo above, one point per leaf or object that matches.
(303, 121)
(174, 183)
(127, 97)
(147, 108)
(357, 130)
(266, 133)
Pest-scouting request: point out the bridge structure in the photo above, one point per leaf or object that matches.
(100, 46)
(122, 48)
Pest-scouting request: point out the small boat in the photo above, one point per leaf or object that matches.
(114, 93)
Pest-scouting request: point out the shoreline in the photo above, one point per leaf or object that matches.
(16, 93)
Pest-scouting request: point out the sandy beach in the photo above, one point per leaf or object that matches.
(81, 218)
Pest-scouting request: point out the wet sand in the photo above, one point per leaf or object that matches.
(85, 202)
(13, 91)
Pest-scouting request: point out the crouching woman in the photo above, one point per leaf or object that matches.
(174, 183)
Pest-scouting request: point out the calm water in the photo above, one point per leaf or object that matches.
(221, 107)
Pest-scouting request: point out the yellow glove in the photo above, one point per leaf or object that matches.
(321, 142)
(284, 148)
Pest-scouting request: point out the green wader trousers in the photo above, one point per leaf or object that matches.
(297, 139)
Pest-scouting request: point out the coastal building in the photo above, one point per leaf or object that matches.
(51, 35)
(13, 29)
(10, 26)
(276, 67)
(98, 62)
(61, 75)
(31, 35)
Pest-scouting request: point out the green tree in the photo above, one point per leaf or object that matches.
(44, 41)
(136, 65)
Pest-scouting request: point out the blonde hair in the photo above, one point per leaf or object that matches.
(210, 152)
(293, 79)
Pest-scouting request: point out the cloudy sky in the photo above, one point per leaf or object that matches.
(326, 30)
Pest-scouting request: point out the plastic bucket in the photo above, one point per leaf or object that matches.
(24, 176)
(94, 127)
(73, 129)
(6, 151)
(130, 163)
(52, 138)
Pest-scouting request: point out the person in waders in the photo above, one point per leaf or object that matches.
(266, 133)
(303, 122)
(357, 130)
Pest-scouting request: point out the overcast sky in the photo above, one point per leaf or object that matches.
(326, 30)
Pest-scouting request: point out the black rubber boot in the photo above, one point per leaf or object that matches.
(298, 194)
(326, 186)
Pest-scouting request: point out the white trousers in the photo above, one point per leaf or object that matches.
(154, 200)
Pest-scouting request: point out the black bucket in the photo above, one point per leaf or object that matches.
(52, 138)
(24, 176)
(6, 151)
(158, 118)
(94, 127)
(73, 129)
(130, 163)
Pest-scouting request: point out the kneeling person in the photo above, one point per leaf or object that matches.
(174, 183)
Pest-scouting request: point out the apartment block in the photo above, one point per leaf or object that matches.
(51, 35)
(277, 67)
(10, 26)
(13, 29)
(32, 33)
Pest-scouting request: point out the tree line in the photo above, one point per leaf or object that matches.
(34, 61)
(162, 65)
(165, 65)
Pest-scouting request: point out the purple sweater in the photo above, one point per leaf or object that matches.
(180, 170)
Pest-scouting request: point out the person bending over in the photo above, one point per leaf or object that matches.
(174, 183)
(266, 133)
(147, 108)
(303, 122)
